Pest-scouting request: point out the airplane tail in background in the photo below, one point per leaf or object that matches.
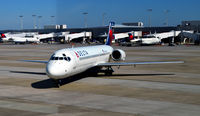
(110, 34)
(3, 35)
(130, 36)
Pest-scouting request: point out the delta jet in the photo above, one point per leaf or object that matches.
(25, 37)
(156, 38)
(72, 61)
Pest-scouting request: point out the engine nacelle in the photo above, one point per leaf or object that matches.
(118, 55)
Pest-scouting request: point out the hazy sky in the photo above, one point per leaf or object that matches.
(70, 12)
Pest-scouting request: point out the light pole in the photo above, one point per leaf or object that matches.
(39, 17)
(149, 10)
(103, 19)
(166, 13)
(21, 22)
(34, 22)
(85, 18)
(52, 19)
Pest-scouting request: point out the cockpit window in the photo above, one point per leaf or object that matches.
(61, 58)
(67, 59)
(52, 57)
(56, 58)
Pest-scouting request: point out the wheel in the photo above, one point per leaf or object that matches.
(108, 73)
(57, 83)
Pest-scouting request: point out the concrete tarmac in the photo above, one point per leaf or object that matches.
(144, 90)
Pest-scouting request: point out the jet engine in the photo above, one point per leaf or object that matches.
(118, 55)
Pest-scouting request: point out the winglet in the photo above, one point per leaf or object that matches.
(110, 34)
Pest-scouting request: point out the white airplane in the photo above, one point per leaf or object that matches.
(72, 61)
(20, 37)
(156, 38)
(8, 36)
(26, 37)
(150, 40)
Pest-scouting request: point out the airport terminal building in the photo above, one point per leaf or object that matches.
(191, 25)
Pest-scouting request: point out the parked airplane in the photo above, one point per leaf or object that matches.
(26, 37)
(150, 40)
(156, 38)
(71, 61)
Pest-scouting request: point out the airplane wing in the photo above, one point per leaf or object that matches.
(136, 63)
(35, 61)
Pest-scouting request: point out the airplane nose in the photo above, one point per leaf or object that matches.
(55, 72)
(51, 72)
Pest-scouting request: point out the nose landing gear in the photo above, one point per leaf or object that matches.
(57, 83)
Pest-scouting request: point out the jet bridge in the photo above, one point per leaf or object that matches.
(84, 35)
(167, 34)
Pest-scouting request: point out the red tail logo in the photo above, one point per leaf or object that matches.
(130, 36)
(3, 35)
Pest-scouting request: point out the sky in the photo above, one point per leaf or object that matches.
(70, 12)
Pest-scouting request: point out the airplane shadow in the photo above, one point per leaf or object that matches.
(44, 84)
(49, 83)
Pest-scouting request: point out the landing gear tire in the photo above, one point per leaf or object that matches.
(109, 71)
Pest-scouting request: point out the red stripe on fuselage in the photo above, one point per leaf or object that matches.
(76, 55)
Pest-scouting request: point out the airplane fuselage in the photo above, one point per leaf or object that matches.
(71, 61)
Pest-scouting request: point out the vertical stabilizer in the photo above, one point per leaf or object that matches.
(110, 34)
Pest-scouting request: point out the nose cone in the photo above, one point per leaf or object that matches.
(55, 71)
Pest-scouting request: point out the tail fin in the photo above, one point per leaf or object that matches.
(110, 34)
(3, 35)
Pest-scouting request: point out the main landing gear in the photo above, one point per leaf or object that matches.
(109, 71)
